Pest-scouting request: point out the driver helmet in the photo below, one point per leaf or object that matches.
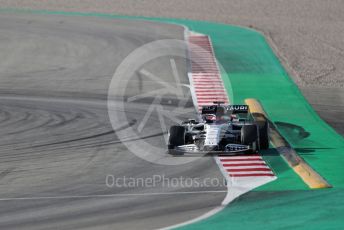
(234, 117)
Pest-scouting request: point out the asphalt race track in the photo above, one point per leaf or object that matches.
(57, 144)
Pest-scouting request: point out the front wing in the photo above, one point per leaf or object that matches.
(230, 149)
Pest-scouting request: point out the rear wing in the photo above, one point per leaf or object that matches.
(238, 108)
(229, 109)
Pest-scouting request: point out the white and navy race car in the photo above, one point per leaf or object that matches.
(225, 129)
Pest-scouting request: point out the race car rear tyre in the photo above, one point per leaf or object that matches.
(263, 135)
(176, 138)
(249, 134)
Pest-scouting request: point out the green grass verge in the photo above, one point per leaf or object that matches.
(282, 210)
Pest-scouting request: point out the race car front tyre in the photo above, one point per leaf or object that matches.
(263, 134)
(176, 138)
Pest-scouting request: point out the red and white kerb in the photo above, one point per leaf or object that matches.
(205, 73)
(208, 86)
(245, 166)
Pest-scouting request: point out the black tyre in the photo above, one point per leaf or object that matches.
(249, 134)
(176, 138)
(263, 134)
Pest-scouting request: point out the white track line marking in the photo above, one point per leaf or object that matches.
(204, 216)
(111, 195)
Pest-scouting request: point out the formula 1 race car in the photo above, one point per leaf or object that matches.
(225, 129)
